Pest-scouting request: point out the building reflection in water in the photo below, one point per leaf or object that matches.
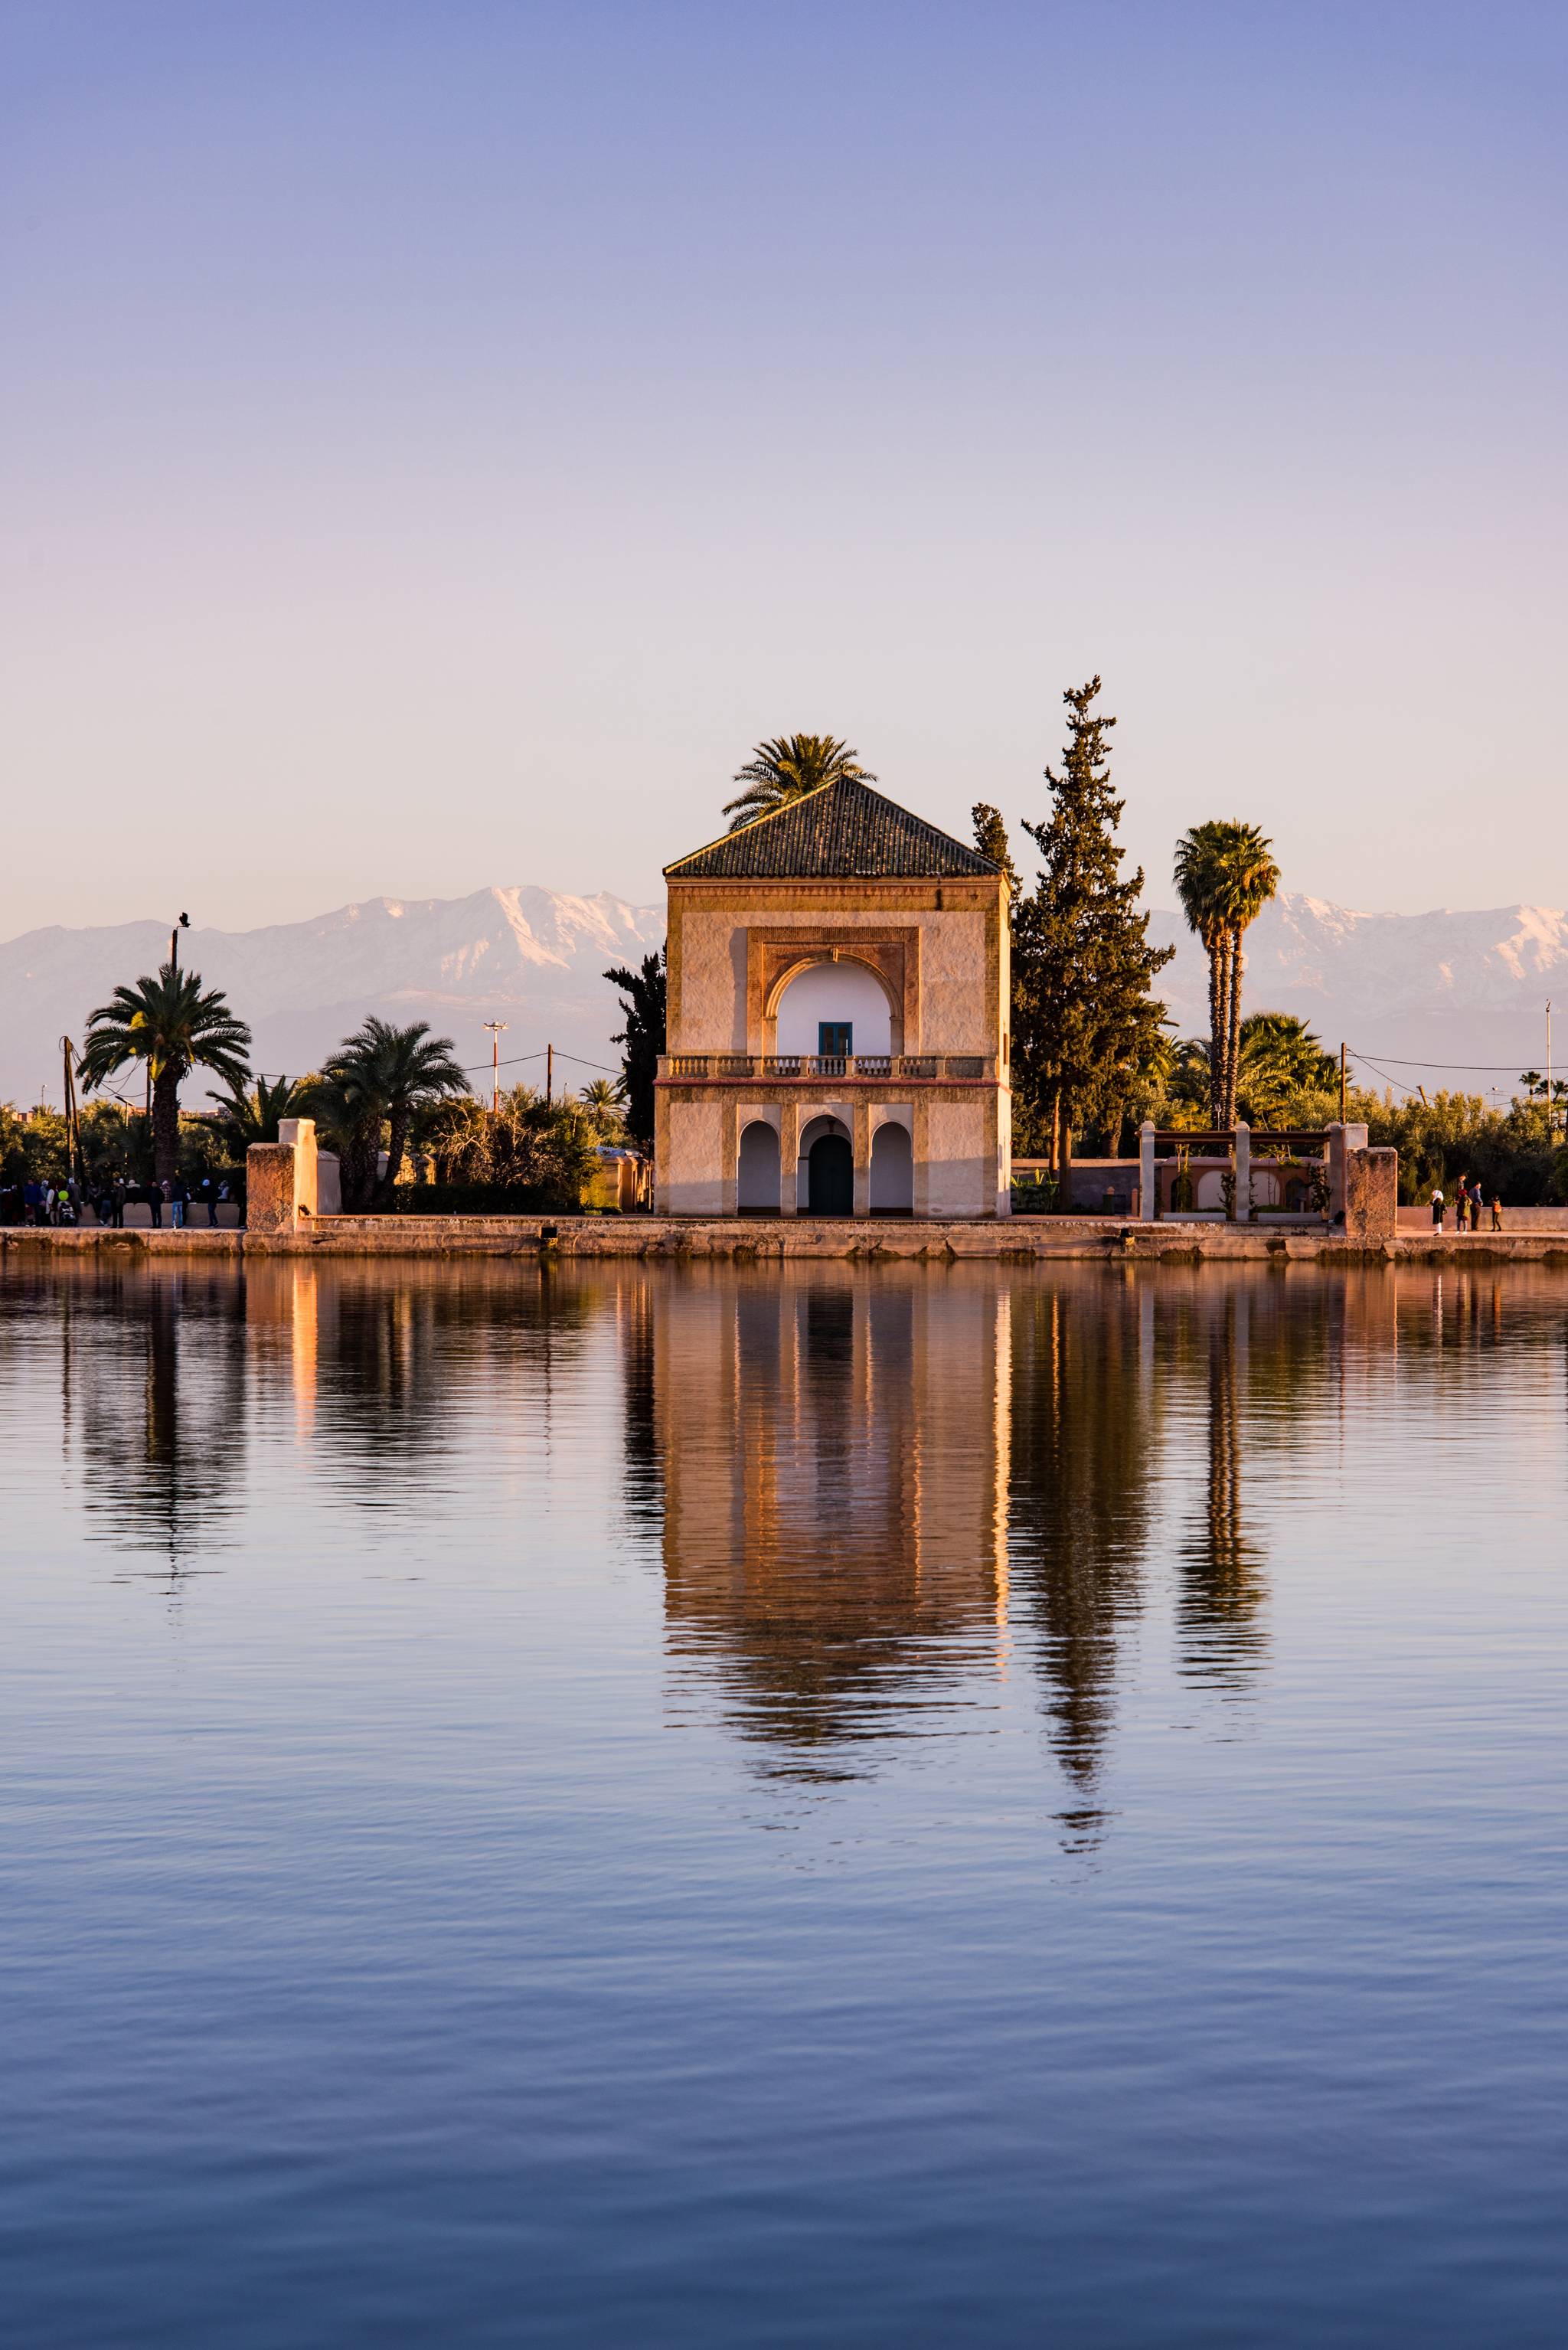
(833, 1450)
(884, 1499)
(874, 1486)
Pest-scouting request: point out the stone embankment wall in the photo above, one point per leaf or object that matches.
(1021, 1240)
(284, 1204)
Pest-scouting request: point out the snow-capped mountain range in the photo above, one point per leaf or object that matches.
(1402, 989)
(533, 958)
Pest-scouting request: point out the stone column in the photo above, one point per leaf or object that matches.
(860, 1141)
(1242, 1160)
(789, 1157)
(1147, 1180)
(730, 1157)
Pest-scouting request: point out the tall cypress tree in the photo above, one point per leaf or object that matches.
(1083, 1019)
(643, 995)
(991, 840)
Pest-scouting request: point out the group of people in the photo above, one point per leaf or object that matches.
(51, 1203)
(1470, 1200)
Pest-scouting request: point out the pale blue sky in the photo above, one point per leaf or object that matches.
(439, 440)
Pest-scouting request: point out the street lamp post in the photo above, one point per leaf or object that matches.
(182, 924)
(496, 1028)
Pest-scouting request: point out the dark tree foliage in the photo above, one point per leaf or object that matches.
(1084, 1021)
(643, 996)
(991, 839)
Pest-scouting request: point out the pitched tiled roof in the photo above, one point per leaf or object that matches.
(845, 830)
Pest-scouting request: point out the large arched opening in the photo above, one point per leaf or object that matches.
(835, 1010)
(757, 1183)
(892, 1171)
(827, 1168)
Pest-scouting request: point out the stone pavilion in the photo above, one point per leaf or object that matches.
(838, 1019)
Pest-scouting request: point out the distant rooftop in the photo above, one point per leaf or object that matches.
(845, 831)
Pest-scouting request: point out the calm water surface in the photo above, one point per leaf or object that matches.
(621, 1806)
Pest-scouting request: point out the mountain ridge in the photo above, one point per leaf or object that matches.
(1452, 987)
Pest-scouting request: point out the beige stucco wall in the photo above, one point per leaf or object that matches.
(957, 1014)
(961, 951)
(941, 953)
(957, 1159)
(692, 1164)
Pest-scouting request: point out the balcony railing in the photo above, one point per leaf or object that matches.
(945, 1068)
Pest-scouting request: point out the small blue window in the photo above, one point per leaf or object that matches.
(835, 1040)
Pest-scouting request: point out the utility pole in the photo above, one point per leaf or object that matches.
(1341, 1081)
(497, 1029)
(182, 924)
(550, 1074)
(73, 1123)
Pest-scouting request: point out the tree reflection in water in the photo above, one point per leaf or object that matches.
(153, 1404)
(1219, 1601)
(1083, 1465)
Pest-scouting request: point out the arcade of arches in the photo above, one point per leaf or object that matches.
(825, 1169)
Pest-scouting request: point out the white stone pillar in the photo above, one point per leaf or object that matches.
(299, 1133)
(1147, 1180)
(1242, 1160)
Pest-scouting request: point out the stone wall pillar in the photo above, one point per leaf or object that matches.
(269, 1188)
(1147, 1180)
(1241, 1161)
(860, 1142)
(789, 1157)
(1371, 1195)
(281, 1185)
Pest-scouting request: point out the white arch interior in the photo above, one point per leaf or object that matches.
(1211, 1191)
(758, 1182)
(842, 995)
(892, 1169)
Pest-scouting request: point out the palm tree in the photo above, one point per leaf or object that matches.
(1199, 887)
(255, 1117)
(1225, 876)
(1250, 877)
(788, 768)
(1280, 1056)
(604, 1102)
(169, 1023)
(382, 1074)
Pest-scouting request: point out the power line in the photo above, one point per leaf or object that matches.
(1493, 1068)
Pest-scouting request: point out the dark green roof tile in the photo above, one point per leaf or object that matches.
(845, 831)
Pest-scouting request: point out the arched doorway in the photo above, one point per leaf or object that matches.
(757, 1189)
(828, 1168)
(831, 1183)
(893, 1171)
